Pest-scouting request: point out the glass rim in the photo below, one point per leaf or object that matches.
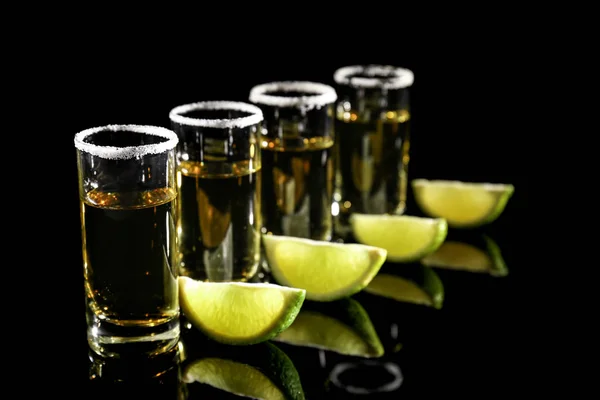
(320, 94)
(255, 117)
(389, 367)
(126, 152)
(395, 77)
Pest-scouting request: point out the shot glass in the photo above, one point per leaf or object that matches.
(219, 189)
(297, 145)
(127, 194)
(372, 141)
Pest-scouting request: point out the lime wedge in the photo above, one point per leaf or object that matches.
(262, 371)
(468, 257)
(405, 238)
(462, 204)
(424, 288)
(239, 312)
(327, 271)
(341, 326)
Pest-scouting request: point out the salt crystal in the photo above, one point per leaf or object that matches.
(374, 76)
(256, 116)
(126, 152)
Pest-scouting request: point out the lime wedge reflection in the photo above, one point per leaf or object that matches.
(469, 256)
(342, 326)
(415, 284)
(261, 371)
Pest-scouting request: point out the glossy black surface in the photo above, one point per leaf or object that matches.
(475, 344)
(468, 345)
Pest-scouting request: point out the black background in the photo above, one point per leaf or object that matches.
(461, 129)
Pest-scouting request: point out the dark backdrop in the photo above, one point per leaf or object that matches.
(461, 129)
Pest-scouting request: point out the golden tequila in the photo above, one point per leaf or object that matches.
(219, 219)
(372, 156)
(298, 188)
(130, 284)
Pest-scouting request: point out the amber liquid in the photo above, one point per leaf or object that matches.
(131, 287)
(372, 157)
(219, 220)
(298, 188)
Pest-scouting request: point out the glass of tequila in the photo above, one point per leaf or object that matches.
(372, 141)
(297, 144)
(219, 189)
(127, 191)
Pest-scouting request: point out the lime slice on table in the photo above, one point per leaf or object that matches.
(405, 238)
(422, 286)
(238, 312)
(341, 326)
(327, 271)
(261, 371)
(469, 257)
(462, 204)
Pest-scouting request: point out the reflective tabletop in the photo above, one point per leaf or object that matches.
(445, 325)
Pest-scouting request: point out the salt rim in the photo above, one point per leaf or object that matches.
(399, 78)
(255, 117)
(325, 94)
(128, 152)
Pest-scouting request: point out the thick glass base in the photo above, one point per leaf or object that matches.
(123, 342)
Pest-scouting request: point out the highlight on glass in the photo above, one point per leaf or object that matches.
(219, 189)
(297, 146)
(126, 177)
